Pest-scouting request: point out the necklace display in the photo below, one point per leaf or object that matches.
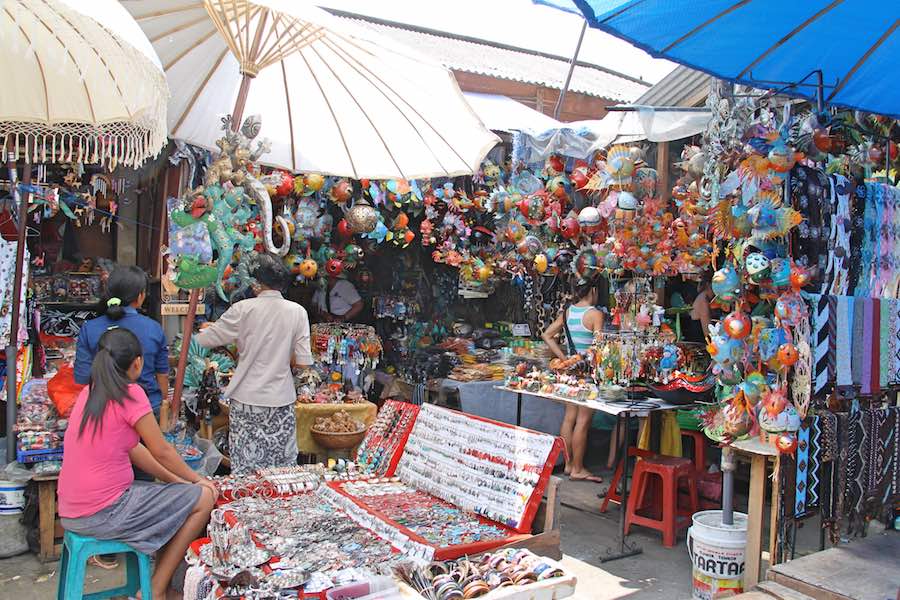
(343, 343)
(385, 439)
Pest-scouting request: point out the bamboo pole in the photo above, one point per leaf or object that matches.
(191, 316)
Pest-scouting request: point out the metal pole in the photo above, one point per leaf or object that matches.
(728, 467)
(820, 91)
(12, 347)
(565, 88)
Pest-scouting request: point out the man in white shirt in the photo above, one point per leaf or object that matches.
(340, 302)
(271, 334)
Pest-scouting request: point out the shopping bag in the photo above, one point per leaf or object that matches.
(63, 390)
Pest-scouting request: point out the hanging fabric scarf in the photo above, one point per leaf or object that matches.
(839, 242)
(843, 341)
(819, 311)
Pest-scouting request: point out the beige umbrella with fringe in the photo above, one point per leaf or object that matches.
(83, 85)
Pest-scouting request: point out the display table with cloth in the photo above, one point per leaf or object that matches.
(308, 413)
(484, 399)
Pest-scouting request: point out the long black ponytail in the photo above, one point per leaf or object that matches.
(117, 351)
(124, 287)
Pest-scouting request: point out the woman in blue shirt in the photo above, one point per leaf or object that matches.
(126, 292)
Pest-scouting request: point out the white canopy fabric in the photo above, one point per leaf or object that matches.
(344, 102)
(84, 83)
(501, 113)
(580, 139)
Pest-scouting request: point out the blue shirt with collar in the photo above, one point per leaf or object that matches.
(153, 343)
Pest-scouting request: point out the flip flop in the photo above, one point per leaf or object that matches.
(591, 478)
(107, 566)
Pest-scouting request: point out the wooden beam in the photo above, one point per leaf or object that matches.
(662, 169)
(755, 520)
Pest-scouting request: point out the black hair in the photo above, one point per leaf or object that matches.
(123, 288)
(581, 287)
(271, 273)
(116, 352)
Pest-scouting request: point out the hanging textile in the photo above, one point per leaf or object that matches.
(862, 481)
(7, 282)
(806, 495)
(820, 343)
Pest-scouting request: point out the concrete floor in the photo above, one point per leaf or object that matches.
(657, 574)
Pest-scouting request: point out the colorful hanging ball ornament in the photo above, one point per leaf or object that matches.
(786, 443)
(334, 267)
(758, 266)
(515, 231)
(570, 228)
(589, 220)
(585, 263)
(341, 191)
(285, 184)
(540, 263)
(787, 355)
(780, 272)
(737, 325)
(485, 272)
(343, 229)
(362, 217)
(790, 308)
(530, 246)
(308, 268)
(627, 201)
(726, 282)
(314, 182)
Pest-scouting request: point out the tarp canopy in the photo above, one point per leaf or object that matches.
(501, 113)
(769, 44)
(582, 138)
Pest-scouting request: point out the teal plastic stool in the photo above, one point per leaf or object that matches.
(76, 551)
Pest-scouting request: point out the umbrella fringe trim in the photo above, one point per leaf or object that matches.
(110, 145)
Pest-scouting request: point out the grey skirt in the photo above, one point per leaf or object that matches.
(146, 516)
(261, 437)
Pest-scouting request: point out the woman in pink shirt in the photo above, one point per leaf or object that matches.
(98, 495)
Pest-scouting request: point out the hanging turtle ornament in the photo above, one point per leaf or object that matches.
(758, 267)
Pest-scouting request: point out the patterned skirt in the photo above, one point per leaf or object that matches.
(260, 437)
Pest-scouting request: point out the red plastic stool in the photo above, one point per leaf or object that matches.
(670, 470)
(611, 493)
(699, 448)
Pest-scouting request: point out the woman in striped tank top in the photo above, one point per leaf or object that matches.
(581, 319)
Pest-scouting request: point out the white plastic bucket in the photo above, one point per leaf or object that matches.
(717, 554)
(12, 497)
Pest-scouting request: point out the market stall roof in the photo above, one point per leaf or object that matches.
(482, 57)
(501, 113)
(681, 87)
(333, 98)
(769, 44)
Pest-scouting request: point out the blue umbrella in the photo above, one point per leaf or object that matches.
(847, 50)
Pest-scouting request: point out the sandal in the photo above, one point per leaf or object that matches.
(106, 566)
(591, 478)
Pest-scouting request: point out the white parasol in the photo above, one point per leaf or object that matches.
(334, 99)
(84, 84)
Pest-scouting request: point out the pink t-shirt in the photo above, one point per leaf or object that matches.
(96, 469)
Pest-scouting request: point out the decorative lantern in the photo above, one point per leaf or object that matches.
(362, 217)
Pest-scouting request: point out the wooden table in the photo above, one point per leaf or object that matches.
(758, 454)
(48, 523)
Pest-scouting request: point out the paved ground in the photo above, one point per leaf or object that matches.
(657, 574)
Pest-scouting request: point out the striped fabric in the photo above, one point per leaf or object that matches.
(582, 337)
(819, 343)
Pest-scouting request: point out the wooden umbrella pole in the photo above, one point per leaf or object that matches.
(194, 301)
(12, 347)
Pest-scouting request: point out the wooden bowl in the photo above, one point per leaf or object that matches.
(338, 441)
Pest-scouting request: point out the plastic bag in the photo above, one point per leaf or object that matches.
(211, 457)
(63, 390)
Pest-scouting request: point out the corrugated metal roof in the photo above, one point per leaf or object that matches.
(682, 87)
(503, 62)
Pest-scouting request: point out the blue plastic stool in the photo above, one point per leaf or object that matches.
(76, 551)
